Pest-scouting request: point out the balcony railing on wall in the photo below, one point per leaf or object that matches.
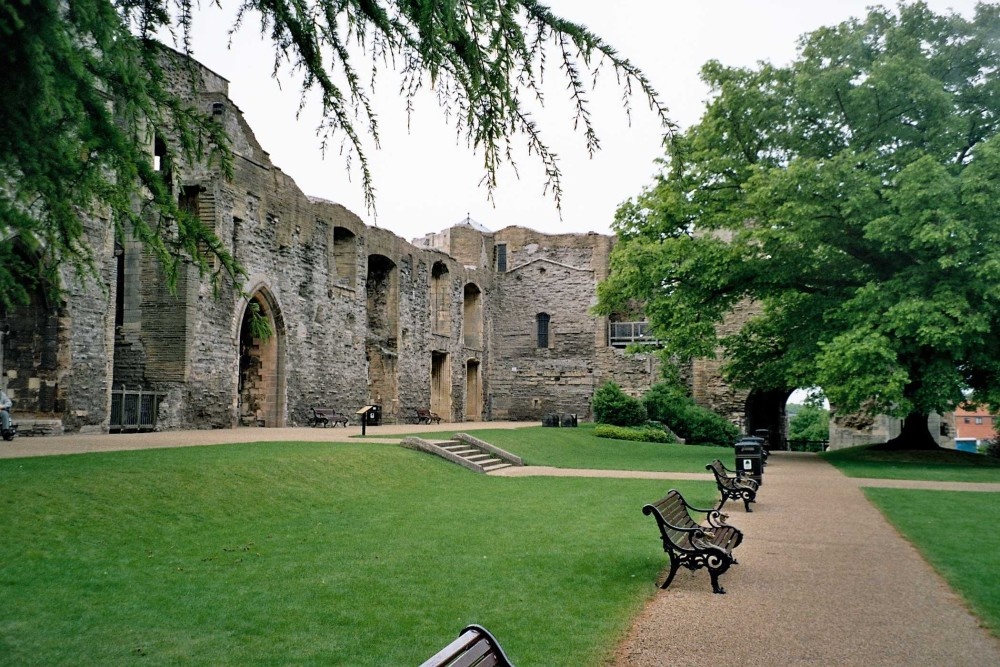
(133, 410)
(623, 334)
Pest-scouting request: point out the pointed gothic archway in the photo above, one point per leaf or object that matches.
(261, 380)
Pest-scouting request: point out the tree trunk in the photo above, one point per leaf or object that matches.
(915, 435)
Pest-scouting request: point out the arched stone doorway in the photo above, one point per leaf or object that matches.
(765, 410)
(261, 385)
(30, 337)
(382, 341)
(473, 391)
(441, 384)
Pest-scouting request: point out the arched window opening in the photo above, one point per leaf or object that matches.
(344, 256)
(542, 321)
(472, 319)
(440, 299)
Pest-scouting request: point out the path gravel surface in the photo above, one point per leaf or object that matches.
(823, 579)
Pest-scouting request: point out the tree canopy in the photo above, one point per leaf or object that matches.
(852, 198)
(83, 91)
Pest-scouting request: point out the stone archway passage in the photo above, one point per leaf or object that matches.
(473, 392)
(260, 375)
(766, 410)
(441, 385)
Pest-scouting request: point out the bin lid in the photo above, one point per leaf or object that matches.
(751, 448)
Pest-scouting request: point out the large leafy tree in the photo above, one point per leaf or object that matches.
(83, 89)
(852, 199)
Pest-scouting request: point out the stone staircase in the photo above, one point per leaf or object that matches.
(467, 451)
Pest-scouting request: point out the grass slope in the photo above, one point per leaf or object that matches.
(310, 553)
(953, 530)
(580, 448)
(944, 465)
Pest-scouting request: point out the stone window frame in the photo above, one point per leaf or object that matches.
(543, 328)
(500, 257)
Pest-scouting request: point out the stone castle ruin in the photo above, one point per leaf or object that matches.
(469, 323)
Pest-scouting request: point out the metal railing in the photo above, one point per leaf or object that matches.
(806, 445)
(622, 334)
(133, 410)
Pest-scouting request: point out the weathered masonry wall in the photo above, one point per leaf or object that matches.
(357, 315)
(550, 352)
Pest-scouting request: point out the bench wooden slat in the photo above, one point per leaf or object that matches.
(426, 416)
(733, 487)
(475, 655)
(691, 544)
(475, 647)
(326, 416)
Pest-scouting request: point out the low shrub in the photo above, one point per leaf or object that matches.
(643, 434)
(613, 406)
(670, 404)
(992, 448)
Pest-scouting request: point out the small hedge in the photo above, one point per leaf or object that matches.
(644, 434)
(669, 403)
(613, 406)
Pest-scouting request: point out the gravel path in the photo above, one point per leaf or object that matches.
(823, 579)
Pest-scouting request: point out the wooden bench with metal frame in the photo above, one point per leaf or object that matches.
(690, 543)
(733, 487)
(425, 416)
(326, 417)
(475, 647)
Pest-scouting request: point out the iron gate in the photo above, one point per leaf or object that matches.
(133, 410)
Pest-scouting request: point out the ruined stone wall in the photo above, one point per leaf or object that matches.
(557, 276)
(448, 337)
(86, 339)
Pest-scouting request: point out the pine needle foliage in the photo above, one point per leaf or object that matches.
(84, 93)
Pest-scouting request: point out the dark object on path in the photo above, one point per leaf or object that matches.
(475, 646)
(567, 419)
(732, 487)
(750, 460)
(425, 416)
(550, 420)
(327, 416)
(691, 544)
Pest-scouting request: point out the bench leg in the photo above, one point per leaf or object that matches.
(717, 565)
(746, 502)
(716, 588)
(674, 564)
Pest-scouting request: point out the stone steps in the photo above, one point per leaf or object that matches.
(470, 455)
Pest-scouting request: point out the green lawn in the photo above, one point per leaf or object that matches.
(313, 553)
(945, 465)
(580, 448)
(954, 531)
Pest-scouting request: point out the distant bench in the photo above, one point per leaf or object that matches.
(732, 486)
(474, 646)
(326, 417)
(425, 416)
(691, 544)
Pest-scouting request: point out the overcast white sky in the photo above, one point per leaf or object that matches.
(426, 180)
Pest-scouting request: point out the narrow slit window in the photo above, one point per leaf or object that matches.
(543, 329)
(501, 253)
